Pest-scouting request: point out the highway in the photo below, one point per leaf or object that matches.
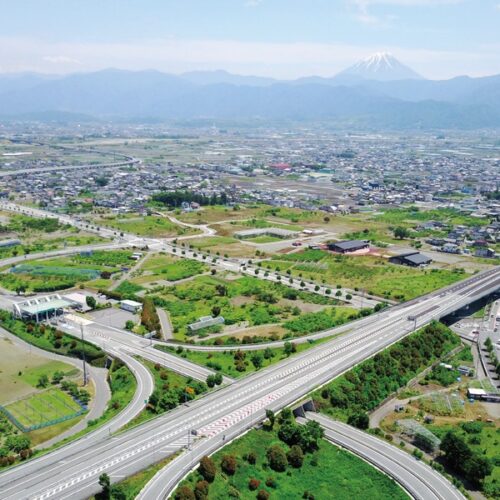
(229, 411)
(420, 480)
(108, 337)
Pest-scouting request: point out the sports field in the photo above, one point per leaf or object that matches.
(42, 408)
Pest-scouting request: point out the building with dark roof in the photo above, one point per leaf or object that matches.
(348, 246)
(412, 259)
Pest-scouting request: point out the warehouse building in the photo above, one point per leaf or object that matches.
(348, 246)
(412, 259)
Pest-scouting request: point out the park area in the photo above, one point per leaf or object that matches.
(246, 303)
(60, 273)
(43, 409)
(374, 275)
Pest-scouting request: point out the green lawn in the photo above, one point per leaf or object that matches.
(32, 375)
(328, 472)
(43, 407)
(166, 267)
(177, 389)
(226, 362)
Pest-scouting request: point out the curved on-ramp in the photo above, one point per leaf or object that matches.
(420, 480)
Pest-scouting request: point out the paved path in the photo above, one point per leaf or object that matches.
(420, 480)
(166, 326)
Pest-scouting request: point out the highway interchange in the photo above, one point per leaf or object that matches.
(202, 426)
(229, 411)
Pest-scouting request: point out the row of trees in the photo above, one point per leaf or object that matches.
(149, 316)
(176, 198)
(488, 344)
(365, 386)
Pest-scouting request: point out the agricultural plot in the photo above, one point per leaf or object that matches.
(60, 273)
(246, 302)
(168, 268)
(43, 409)
(375, 275)
(38, 235)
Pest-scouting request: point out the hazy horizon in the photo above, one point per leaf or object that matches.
(439, 39)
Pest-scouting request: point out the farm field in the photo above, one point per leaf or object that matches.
(246, 302)
(41, 408)
(323, 470)
(38, 235)
(223, 245)
(20, 370)
(168, 268)
(375, 275)
(64, 272)
(148, 225)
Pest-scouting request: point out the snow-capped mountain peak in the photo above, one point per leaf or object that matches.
(381, 66)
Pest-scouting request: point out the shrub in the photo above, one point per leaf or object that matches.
(271, 482)
(295, 456)
(207, 469)
(229, 464)
(185, 493)
(277, 458)
(253, 484)
(252, 458)
(262, 495)
(201, 490)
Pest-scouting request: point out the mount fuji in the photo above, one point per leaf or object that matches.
(381, 66)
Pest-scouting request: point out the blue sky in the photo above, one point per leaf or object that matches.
(280, 38)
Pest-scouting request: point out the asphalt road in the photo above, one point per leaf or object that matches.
(421, 481)
(228, 412)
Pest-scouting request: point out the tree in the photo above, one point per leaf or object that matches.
(210, 381)
(201, 490)
(295, 456)
(57, 377)
(359, 420)
(105, 484)
(401, 233)
(207, 469)
(229, 464)
(271, 417)
(149, 316)
(43, 381)
(218, 379)
(257, 360)
(129, 325)
(91, 302)
(276, 458)
(185, 493)
(289, 348)
(215, 311)
(17, 443)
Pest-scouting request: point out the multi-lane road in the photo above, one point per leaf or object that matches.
(214, 419)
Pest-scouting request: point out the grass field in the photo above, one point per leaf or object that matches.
(43, 407)
(166, 267)
(149, 225)
(20, 371)
(373, 274)
(328, 472)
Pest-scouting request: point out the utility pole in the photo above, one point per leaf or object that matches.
(83, 357)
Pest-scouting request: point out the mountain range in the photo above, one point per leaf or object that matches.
(378, 92)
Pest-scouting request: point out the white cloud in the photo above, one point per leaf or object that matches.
(281, 60)
(61, 60)
(365, 15)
